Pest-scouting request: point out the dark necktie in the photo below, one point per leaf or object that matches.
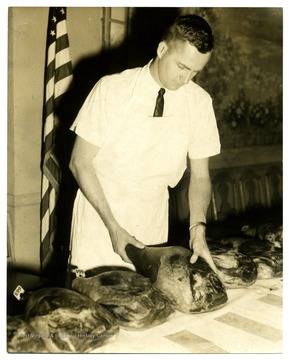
(159, 108)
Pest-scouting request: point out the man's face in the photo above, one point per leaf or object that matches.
(179, 63)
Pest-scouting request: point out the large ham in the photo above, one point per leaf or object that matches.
(194, 288)
(131, 297)
(69, 322)
(238, 269)
(267, 257)
(22, 338)
(269, 232)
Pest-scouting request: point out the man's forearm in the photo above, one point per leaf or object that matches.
(91, 188)
(81, 166)
(199, 199)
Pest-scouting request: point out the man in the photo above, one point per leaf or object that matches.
(124, 158)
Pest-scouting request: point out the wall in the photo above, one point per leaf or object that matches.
(27, 39)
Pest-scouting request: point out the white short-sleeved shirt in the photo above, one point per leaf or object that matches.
(139, 157)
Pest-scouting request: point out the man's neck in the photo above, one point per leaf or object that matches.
(154, 71)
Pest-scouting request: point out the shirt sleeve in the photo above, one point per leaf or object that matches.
(205, 135)
(92, 119)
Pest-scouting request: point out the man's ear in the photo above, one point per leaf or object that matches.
(162, 48)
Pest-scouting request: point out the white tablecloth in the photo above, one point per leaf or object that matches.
(250, 322)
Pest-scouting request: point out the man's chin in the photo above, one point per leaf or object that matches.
(174, 87)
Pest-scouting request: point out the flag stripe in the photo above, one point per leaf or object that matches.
(52, 170)
(61, 29)
(45, 203)
(62, 43)
(58, 77)
(62, 85)
(50, 54)
(50, 72)
(49, 124)
(56, 60)
(44, 249)
(61, 73)
(49, 137)
(60, 89)
(57, 87)
(49, 106)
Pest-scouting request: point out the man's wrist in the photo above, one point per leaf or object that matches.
(196, 224)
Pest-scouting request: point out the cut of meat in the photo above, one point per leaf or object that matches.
(194, 288)
(69, 322)
(268, 232)
(131, 297)
(238, 269)
(267, 257)
(22, 338)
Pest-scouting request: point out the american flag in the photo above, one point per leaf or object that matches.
(58, 78)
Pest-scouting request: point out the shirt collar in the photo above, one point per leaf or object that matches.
(151, 83)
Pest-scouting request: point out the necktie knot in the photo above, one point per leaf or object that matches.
(159, 108)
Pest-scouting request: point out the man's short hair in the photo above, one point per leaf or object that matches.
(191, 28)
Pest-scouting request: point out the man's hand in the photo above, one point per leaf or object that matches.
(120, 238)
(199, 246)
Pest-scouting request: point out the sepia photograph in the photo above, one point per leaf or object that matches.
(144, 180)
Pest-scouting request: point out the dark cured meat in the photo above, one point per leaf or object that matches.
(272, 233)
(238, 269)
(22, 338)
(131, 297)
(267, 257)
(194, 288)
(69, 322)
(268, 232)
